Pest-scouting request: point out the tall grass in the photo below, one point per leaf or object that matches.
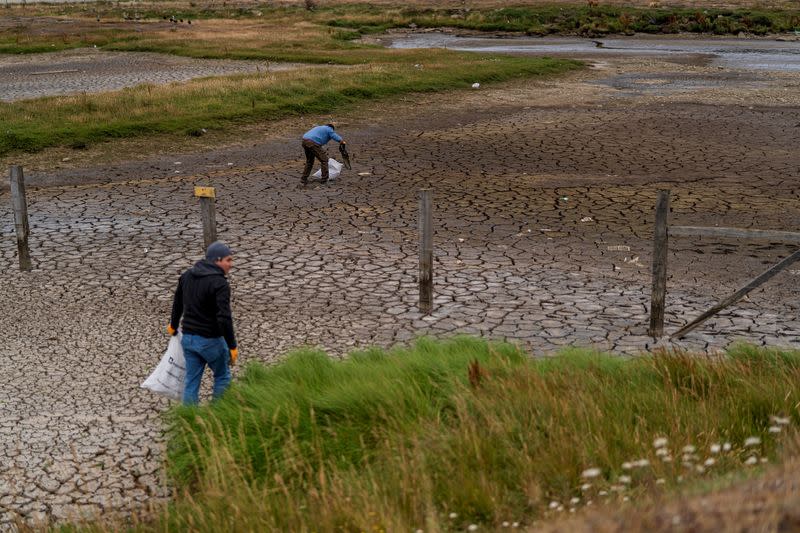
(450, 433)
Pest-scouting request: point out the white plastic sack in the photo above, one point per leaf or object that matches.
(170, 375)
(334, 169)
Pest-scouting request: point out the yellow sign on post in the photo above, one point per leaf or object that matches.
(204, 192)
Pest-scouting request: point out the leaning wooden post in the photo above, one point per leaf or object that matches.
(660, 242)
(19, 204)
(425, 251)
(208, 213)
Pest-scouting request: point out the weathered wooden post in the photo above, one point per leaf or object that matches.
(208, 213)
(660, 244)
(425, 251)
(19, 203)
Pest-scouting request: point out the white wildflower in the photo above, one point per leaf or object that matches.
(574, 501)
(625, 479)
(591, 473)
(715, 448)
(660, 481)
(586, 486)
(603, 493)
(627, 466)
(515, 524)
(701, 469)
(751, 460)
(689, 449)
(625, 498)
(472, 527)
(752, 441)
(710, 461)
(641, 463)
(554, 505)
(453, 516)
(661, 452)
(505, 524)
(726, 447)
(781, 421)
(774, 429)
(660, 442)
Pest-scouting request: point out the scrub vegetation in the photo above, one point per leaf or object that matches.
(447, 434)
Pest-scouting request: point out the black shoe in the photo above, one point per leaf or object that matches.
(323, 182)
(304, 181)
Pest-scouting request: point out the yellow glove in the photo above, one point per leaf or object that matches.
(171, 330)
(234, 355)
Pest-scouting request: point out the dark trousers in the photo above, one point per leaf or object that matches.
(315, 151)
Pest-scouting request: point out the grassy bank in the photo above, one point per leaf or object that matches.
(359, 18)
(427, 438)
(216, 102)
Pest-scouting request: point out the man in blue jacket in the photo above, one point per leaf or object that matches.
(314, 141)
(203, 299)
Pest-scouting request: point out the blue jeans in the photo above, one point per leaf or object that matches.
(199, 352)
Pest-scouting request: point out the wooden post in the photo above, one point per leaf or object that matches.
(208, 213)
(19, 204)
(738, 295)
(660, 244)
(425, 251)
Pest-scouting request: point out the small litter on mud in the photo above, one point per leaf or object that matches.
(545, 229)
(177, 163)
(794, 272)
(587, 219)
(66, 159)
(476, 85)
(230, 164)
(619, 248)
(365, 173)
(564, 198)
(460, 240)
(633, 261)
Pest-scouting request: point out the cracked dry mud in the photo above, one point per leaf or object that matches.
(544, 195)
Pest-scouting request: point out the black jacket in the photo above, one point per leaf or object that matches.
(203, 297)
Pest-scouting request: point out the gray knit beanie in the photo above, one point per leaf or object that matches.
(217, 250)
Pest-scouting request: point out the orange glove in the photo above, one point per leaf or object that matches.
(234, 355)
(171, 330)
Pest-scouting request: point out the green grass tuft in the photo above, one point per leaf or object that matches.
(398, 440)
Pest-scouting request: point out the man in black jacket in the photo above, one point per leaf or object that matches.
(203, 298)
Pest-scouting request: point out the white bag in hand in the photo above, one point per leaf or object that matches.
(334, 169)
(169, 377)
